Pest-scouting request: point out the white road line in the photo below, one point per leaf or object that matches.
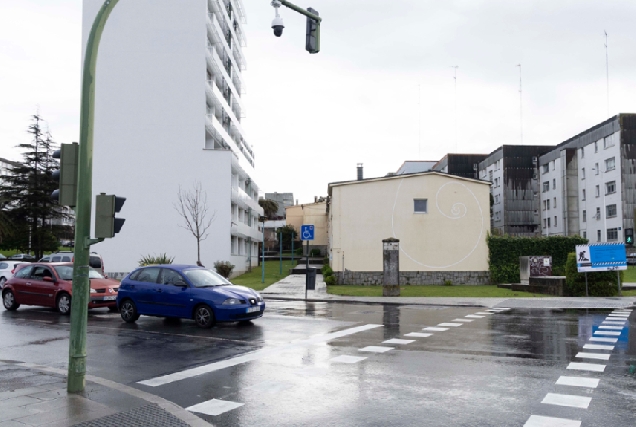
(214, 407)
(450, 324)
(619, 315)
(347, 359)
(397, 341)
(578, 381)
(613, 333)
(254, 355)
(539, 421)
(376, 349)
(592, 367)
(598, 347)
(598, 356)
(434, 329)
(463, 320)
(619, 328)
(623, 310)
(417, 335)
(500, 308)
(484, 312)
(567, 400)
(603, 339)
(615, 321)
(474, 316)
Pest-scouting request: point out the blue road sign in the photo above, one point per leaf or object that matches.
(601, 257)
(307, 232)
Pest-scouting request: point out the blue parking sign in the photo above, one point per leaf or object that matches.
(307, 232)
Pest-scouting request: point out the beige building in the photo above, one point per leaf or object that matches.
(441, 221)
(311, 213)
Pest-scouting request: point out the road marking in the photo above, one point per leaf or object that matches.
(603, 339)
(397, 341)
(578, 381)
(567, 400)
(622, 311)
(214, 407)
(376, 349)
(539, 421)
(598, 347)
(347, 359)
(592, 367)
(484, 312)
(612, 327)
(598, 356)
(450, 324)
(614, 322)
(614, 333)
(251, 356)
(462, 320)
(474, 316)
(501, 308)
(434, 329)
(417, 335)
(619, 315)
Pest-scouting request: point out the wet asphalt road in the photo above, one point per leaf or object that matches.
(285, 369)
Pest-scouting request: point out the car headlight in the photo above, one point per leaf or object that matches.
(231, 301)
(259, 298)
(93, 291)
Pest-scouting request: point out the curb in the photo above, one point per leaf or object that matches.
(357, 301)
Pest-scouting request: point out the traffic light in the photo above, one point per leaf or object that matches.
(312, 44)
(629, 236)
(66, 195)
(106, 206)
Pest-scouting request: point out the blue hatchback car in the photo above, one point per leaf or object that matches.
(186, 291)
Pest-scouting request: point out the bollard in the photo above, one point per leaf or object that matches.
(391, 267)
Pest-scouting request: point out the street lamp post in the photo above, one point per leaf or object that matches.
(79, 302)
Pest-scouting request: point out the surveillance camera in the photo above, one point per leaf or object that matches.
(277, 25)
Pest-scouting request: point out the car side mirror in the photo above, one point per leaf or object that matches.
(48, 279)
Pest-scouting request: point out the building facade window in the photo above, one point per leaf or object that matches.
(610, 187)
(548, 203)
(610, 211)
(544, 223)
(595, 168)
(596, 147)
(554, 203)
(608, 142)
(554, 183)
(582, 152)
(555, 221)
(598, 213)
(612, 234)
(583, 198)
(553, 164)
(420, 205)
(584, 215)
(490, 176)
(544, 205)
(597, 191)
(546, 186)
(610, 164)
(585, 234)
(582, 173)
(598, 235)
(546, 168)
(548, 222)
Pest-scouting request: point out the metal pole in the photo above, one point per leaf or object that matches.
(263, 256)
(280, 253)
(618, 275)
(292, 262)
(301, 11)
(79, 302)
(586, 293)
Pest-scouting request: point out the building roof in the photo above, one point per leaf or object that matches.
(415, 166)
(410, 175)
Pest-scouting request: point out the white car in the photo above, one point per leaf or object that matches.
(7, 268)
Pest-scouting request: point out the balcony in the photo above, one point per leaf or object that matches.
(214, 127)
(218, 35)
(234, 30)
(216, 63)
(216, 95)
(243, 230)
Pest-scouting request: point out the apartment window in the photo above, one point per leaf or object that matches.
(582, 173)
(554, 203)
(546, 168)
(610, 164)
(548, 222)
(595, 168)
(548, 203)
(554, 183)
(598, 213)
(553, 164)
(496, 182)
(544, 223)
(544, 204)
(420, 205)
(596, 147)
(597, 191)
(610, 211)
(490, 176)
(584, 215)
(610, 187)
(582, 152)
(608, 142)
(546, 186)
(612, 234)
(583, 195)
(598, 235)
(585, 234)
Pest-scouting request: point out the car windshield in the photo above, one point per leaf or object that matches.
(202, 278)
(66, 272)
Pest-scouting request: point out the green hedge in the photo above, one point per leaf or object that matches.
(601, 284)
(504, 253)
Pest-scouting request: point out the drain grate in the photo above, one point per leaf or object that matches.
(147, 415)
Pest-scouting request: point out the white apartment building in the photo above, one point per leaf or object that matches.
(588, 183)
(168, 116)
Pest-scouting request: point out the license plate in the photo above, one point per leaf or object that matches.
(253, 309)
(113, 298)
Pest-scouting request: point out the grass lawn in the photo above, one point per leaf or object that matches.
(629, 293)
(476, 291)
(272, 275)
(629, 275)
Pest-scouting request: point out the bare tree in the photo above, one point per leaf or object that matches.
(192, 206)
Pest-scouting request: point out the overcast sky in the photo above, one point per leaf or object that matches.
(381, 90)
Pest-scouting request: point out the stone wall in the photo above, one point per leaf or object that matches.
(415, 277)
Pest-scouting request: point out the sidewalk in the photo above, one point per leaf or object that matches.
(292, 287)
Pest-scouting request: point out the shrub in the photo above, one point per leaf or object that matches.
(448, 283)
(601, 284)
(155, 259)
(330, 280)
(224, 268)
(298, 251)
(327, 271)
(315, 252)
(504, 253)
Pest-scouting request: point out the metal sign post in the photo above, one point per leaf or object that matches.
(307, 234)
(601, 257)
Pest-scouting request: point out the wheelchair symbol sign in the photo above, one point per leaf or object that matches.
(307, 232)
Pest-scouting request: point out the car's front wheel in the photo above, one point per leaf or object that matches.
(8, 299)
(204, 316)
(63, 304)
(128, 311)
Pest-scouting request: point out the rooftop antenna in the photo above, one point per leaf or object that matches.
(520, 106)
(607, 73)
(455, 78)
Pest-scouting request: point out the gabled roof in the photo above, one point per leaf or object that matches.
(408, 175)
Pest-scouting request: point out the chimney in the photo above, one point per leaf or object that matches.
(360, 172)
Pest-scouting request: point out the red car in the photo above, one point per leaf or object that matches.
(50, 285)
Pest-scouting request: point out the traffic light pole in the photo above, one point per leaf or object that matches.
(300, 10)
(79, 302)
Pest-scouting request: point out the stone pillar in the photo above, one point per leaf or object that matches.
(391, 267)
